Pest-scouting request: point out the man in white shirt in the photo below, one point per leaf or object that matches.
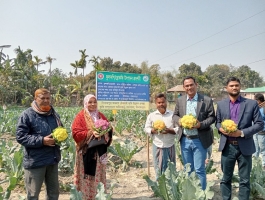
(164, 141)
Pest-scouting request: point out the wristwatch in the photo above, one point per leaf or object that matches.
(242, 134)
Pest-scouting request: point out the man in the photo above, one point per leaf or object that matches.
(259, 138)
(41, 155)
(237, 146)
(163, 142)
(194, 142)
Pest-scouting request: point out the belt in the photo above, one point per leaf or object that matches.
(261, 133)
(190, 137)
(233, 142)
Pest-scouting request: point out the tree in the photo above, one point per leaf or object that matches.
(106, 63)
(96, 65)
(75, 65)
(248, 78)
(50, 60)
(216, 79)
(83, 62)
(38, 61)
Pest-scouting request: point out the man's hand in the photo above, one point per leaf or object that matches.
(223, 131)
(198, 125)
(48, 141)
(237, 133)
(168, 130)
(180, 122)
(153, 131)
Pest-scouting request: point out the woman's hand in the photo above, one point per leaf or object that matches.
(96, 134)
(107, 137)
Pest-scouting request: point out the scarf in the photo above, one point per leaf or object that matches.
(37, 109)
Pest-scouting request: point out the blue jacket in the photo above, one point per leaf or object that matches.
(31, 129)
(262, 111)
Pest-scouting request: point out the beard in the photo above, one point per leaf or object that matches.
(233, 94)
(162, 109)
(45, 108)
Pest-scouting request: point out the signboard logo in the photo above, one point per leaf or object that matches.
(145, 78)
(100, 76)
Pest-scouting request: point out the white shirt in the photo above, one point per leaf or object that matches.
(161, 140)
(191, 109)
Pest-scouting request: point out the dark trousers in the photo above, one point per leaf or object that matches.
(231, 154)
(34, 179)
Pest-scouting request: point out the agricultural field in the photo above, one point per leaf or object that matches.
(127, 172)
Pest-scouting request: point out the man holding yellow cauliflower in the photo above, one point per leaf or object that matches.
(41, 154)
(194, 113)
(160, 128)
(237, 145)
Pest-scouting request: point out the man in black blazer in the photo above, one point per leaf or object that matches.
(239, 145)
(194, 142)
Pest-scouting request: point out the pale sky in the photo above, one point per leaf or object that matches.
(165, 32)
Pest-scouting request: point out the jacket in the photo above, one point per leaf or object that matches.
(249, 121)
(204, 113)
(31, 129)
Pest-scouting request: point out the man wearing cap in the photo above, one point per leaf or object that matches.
(41, 155)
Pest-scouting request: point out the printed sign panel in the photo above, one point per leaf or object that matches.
(122, 91)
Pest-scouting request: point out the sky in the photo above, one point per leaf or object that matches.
(165, 32)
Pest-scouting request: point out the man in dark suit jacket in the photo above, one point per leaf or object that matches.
(194, 142)
(239, 145)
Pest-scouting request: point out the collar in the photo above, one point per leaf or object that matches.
(237, 100)
(157, 112)
(195, 98)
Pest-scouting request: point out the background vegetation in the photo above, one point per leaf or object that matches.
(22, 75)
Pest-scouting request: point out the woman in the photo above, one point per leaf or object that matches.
(90, 163)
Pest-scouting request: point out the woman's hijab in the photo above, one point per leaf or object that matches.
(94, 114)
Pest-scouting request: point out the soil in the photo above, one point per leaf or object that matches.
(130, 185)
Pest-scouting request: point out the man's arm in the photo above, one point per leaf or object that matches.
(210, 119)
(258, 123)
(148, 125)
(23, 135)
(176, 115)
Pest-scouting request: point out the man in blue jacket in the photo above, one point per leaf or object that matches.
(239, 145)
(259, 138)
(41, 155)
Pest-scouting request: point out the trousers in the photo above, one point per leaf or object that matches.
(34, 179)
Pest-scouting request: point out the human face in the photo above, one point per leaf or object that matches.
(161, 105)
(44, 101)
(233, 88)
(92, 104)
(190, 87)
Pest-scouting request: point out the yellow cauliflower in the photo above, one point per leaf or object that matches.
(229, 126)
(159, 125)
(188, 121)
(59, 134)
